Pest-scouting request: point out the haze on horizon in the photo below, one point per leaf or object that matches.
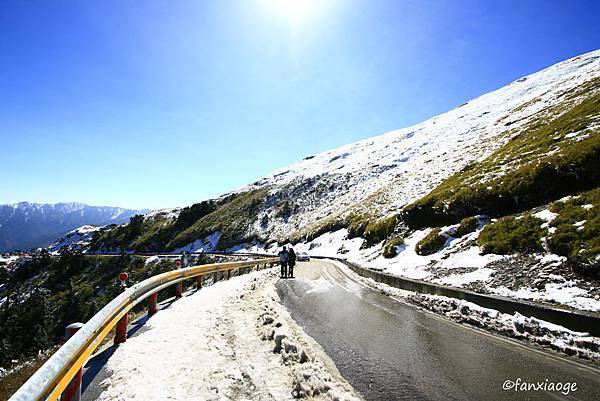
(166, 105)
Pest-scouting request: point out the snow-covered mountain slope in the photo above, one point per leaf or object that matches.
(379, 175)
(375, 177)
(27, 225)
(76, 240)
(423, 201)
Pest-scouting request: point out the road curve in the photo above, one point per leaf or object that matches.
(389, 350)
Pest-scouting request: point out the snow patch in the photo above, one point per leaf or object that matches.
(231, 340)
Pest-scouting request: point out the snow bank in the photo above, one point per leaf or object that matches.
(232, 340)
(566, 293)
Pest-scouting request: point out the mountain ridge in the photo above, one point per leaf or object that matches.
(26, 225)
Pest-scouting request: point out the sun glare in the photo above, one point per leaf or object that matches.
(294, 10)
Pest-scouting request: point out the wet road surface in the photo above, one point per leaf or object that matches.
(392, 351)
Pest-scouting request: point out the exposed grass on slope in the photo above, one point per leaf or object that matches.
(433, 242)
(550, 158)
(319, 228)
(358, 225)
(466, 226)
(577, 230)
(390, 247)
(378, 231)
(510, 235)
(10, 383)
(232, 216)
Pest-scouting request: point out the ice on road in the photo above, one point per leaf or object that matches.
(229, 341)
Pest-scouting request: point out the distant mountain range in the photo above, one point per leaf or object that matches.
(26, 225)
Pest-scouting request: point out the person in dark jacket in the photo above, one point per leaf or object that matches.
(291, 262)
(283, 261)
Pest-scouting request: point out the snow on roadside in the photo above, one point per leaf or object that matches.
(460, 264)
(566, 293)
(232, 340)
(517, 326)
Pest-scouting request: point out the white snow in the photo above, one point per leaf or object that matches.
(232, 340)
(8, 258)
(566, 293)
(207, 244)
(587, 206)
(453, 257)
(404, 165)
(547, 216)
(408, 263)
(151, 260)
(552, 259)
(170, 213)
(319, 285)
(76, 239)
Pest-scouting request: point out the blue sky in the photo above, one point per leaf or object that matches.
(166, 103)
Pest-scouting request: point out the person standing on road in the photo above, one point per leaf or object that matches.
(283, 261)
(291, 262)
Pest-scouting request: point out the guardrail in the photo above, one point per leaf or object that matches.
(172, 255)
(54, 377)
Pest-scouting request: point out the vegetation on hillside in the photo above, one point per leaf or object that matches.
(466, 226)
(358, 225)
(390, 248)
(43, 295)
(510, 235)
(433, 242)
(553, 156)
(232, 216)
(576, 230)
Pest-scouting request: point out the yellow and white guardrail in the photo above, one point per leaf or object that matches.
(51, 380)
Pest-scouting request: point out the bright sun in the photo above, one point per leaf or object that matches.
(295, 10)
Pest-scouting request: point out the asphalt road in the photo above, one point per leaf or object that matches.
(389, 350)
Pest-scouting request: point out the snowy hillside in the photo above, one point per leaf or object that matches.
(474, 197)
(75, 240)
(381, 174)
(27, 225)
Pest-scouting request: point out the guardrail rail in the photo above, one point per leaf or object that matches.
(54, 378)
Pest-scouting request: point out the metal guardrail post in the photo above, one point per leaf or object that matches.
(121, 332)
(179, 289)
(199, 282)
(228, 274)
(73, 390)
(121, 335)
(152, 307)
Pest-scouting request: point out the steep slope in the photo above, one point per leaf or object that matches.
(423, 201)
(27, 225)
(380, 175)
